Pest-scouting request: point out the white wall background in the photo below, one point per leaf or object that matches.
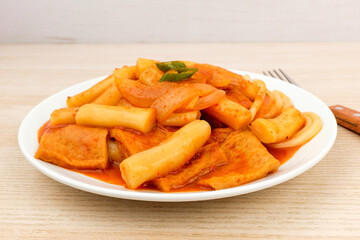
(158, 21)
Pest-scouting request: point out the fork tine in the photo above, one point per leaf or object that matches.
(279, 76)
(288, 78)
(271, 74)
(283, 76)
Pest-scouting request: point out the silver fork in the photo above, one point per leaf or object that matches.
(345, 117)
(283, 77)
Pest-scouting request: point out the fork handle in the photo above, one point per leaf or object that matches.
(347, 117)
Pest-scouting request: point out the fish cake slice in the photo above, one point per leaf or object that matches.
(208, 159)
(249, 160)
(134, 141)
(74, 146)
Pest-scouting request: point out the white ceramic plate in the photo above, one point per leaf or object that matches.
(304, 159)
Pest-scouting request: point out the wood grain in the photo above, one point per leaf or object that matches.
(323, 203)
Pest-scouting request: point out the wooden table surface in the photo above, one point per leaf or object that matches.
(323, 203)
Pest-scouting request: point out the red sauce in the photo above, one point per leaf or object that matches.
(112, 174)
(283, 154)
(188, 188)
(42, 129)
(46, 126)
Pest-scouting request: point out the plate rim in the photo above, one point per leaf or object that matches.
(173, 197)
